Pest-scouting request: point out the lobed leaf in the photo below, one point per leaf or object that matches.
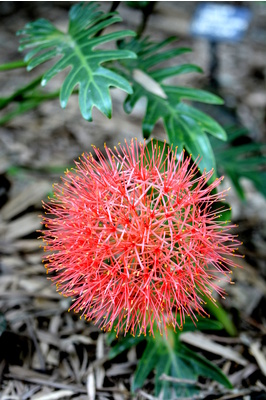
(2, 323)
(76, 51)
(241, 161)
(184, 125)
(160, 74)
(181, 93)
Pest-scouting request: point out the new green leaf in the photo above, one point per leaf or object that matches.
(76, 51)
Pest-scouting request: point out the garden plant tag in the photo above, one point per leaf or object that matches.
(220, 22)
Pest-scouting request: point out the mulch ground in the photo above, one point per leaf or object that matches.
(48, 353)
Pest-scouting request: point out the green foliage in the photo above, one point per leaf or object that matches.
(160, 145)
(222, 209)
(13, 65)
(244, 160)
(170, 357)
(19, 93)
(203, 324)
(146, 364)
(76, 50)
(2, 323)
(124, 344)
(135, 67)
(26, 98)
(185, 126)
(201, 366)
(138, 4)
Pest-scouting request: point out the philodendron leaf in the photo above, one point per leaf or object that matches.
(185, 126)
(241, 161)
(2, 323)
(76, 51)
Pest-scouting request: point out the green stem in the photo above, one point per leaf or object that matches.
(113, 7)
(43, 96)
(146, 12)
(19, 94)
(47, 96)
(20, 109)
(29, 103)
(13, 65)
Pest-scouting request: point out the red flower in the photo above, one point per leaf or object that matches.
(133, 238)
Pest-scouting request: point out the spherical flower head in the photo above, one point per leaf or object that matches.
(133, 237)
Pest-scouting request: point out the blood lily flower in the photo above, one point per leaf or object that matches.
(133, 237)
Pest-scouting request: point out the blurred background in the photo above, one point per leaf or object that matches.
(37, 146)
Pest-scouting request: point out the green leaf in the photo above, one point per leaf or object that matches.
(163, 366)
(174, 366)
(244, 160)
(139, 5)
(258, 179)
(203, 324)
(222, 316)
(203, 367)
(169, 363)
(181, 93)
(110, 337)
(167, 355)
(19, 94)
(160, 74)
(76, 50)
(206, 123)
(198, 145)
(235, 181)
(146, 363)
(185, 132)
(2, 323)
(154, 59)
(123, 344)
(20, 108)
(185, 126)
(151, 145)
(223, 209)
(26, 102)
